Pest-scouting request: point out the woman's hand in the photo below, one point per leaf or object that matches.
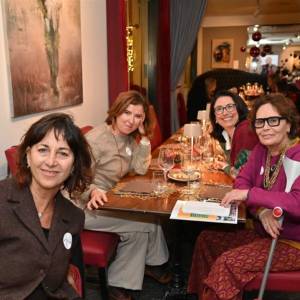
(98, 198)
(270, 223)
(234, 196)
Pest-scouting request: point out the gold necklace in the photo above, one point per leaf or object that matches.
(269, 180)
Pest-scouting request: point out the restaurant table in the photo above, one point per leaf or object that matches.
(213, 184)
(217, 183)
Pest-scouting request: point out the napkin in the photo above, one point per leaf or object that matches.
(140, 186)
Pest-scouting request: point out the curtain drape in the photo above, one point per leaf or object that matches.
(163, 67)
(185, 19)
(116, 48)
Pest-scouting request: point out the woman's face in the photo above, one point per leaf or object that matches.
(129, 120)
(274, 137)
(226, 113)
(51, 162)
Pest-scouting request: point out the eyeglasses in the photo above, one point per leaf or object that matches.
(272, 121)
(220, 109)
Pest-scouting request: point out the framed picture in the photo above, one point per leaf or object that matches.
(222, 53)
(44, 43)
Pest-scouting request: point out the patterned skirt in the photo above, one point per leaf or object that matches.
(224, 262)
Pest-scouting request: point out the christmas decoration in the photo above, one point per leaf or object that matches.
(254, 51)
(256, 36)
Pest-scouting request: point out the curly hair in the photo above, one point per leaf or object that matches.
(62, 124)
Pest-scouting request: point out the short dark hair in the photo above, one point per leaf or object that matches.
(62, 124)
(241, 108)
(123, 100)
(285, 107)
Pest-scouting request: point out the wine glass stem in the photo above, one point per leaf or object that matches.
(165, 176)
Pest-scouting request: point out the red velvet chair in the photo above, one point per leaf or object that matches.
(277, 281)
(75, 274)
(156, 138)
(98, 250)
(11, 158)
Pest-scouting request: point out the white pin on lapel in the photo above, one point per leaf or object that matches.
(67, 240)
(128, 151)
(261, 170)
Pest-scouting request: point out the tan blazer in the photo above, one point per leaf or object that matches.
(27, 258)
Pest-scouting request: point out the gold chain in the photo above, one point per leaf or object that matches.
(269, 181)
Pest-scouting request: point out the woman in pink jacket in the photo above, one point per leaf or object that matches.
(224, 262)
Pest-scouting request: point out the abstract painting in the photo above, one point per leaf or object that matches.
(44, 42)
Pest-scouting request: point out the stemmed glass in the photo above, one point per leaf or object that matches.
(189, 167)
(166, 160)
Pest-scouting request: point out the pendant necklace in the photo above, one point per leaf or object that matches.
(41, 213)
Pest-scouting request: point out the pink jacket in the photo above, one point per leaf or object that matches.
(251, 177)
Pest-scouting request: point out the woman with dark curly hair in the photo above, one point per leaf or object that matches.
(224, 262)
(39, 227)
(228, 116)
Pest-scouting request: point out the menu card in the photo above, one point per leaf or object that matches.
(207, 210)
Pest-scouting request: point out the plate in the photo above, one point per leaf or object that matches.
(178, 175)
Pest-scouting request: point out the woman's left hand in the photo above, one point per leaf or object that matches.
(270, 223)
(234, 196)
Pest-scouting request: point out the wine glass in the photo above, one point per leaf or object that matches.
(166, 160)
(189, 166)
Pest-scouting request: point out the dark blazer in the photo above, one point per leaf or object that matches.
(27, 258)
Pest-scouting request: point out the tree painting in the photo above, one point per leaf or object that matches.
(45, 54)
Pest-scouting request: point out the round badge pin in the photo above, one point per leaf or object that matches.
(67, 240)
(128, 151)
(261, 170)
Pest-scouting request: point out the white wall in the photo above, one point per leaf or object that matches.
(94, 67)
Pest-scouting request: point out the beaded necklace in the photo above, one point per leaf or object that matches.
(271, 173)
(268, 178)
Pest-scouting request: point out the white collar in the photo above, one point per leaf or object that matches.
(227, 140)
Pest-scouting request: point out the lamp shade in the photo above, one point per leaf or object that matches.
(202, 115)
(192, 130)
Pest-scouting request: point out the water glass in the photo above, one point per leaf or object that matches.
(158, 182)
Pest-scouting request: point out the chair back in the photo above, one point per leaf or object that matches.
(156, 138)
(76, 277)
(86, 129)
(11, 157)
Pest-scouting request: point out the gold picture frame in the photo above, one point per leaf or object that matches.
(222, 53)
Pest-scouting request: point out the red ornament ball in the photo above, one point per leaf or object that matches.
(267, 48)
(256, 36)
(243, 49)
(254, 51)
(263, 54)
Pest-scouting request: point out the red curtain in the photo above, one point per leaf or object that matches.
(163, 68)
(116, 48)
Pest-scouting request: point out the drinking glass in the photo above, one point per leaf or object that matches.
(189, 165)
(158, 182)
(166, 160)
